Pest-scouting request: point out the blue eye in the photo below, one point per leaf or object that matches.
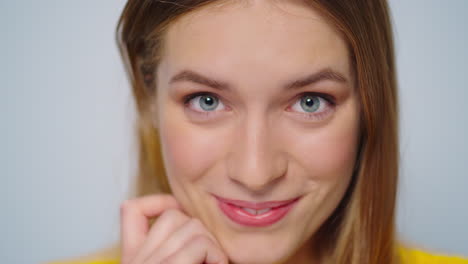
(310, 103)
(208, 102)
(203, 102)
(313, 106)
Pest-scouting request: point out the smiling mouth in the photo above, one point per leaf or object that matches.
(255, 214)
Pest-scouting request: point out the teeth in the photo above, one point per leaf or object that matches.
(255, 212)
(263, 211)
(250, 211)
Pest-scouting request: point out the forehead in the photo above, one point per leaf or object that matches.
(255, 37)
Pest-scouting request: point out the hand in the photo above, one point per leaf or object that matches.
(173, 238)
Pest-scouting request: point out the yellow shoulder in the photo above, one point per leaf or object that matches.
(115, 261)
(419, 256)
(409, 255)
(105, 256)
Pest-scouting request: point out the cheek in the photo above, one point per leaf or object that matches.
(336, 153)
(329, 153)
(187, 151)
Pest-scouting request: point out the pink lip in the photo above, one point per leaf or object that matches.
(279, 209)
(256, 205)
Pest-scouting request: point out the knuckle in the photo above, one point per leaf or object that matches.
(223, 259)
(200, 239)
(196, 224)
(170, 214)
(171, 259)
(204, 241)
(168, 260)
(126, 206)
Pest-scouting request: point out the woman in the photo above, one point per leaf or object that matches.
(272, 127)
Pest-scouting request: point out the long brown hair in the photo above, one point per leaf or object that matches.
(362, 228)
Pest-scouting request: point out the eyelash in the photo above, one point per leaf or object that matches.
(189, 97)
(330, 100)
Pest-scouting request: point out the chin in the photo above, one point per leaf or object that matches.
(242, 258)
(255, 251)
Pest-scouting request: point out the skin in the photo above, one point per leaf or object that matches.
(258, 144)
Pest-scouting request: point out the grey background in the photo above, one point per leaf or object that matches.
(67, 153)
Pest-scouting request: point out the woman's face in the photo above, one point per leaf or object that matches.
(277, 119)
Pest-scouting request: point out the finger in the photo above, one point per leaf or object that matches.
(135, 214)
(168, 222)
(200, 249)
(178, 238)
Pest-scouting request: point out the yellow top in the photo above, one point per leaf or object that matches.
(417, 256)
(408, 255)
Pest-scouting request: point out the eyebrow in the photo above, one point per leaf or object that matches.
(322, 75)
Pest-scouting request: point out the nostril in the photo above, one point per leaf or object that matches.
(256, 170)
(259, 184)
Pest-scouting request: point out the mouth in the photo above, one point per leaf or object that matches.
(256, 214)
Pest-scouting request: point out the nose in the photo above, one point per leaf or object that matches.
(256, 161)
